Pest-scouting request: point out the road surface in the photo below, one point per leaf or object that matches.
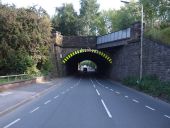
(90, 102)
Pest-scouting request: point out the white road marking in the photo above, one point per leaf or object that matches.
(111, 90)
(98, 82)
(12, 123)
(92, 81)
(136, 101)
(72, 87)
(167, 116)
(35, 109)
(48, 101)
(5, 93)
(56, 97)
(106, 87)
(126, 96)
(150, 108)
(108, 112)
(97, 92)
(117, 92)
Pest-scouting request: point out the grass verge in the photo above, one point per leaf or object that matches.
(150, 85)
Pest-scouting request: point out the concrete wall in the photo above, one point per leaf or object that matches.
(156, 60)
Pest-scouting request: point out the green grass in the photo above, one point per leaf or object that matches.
(162, 35)
(150, 85)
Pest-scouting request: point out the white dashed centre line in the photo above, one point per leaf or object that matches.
(94, 86)
(136, 101)
(48, 101)
(126, 96)
(108, 112)
(34, 109)
(56, 97)
(150, 108)
(106, 87)
(12, 123)
(97, 92)
(99, 83)
(117, 92)
(167, 116)
(71, 87)
(111, 90)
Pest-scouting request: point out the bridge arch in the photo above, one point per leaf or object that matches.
(100, 53)
(101, 59)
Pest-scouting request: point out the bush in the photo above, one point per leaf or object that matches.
(33, 71)
(131, 81)
(47, 66)
(151, 85)
(162, 35)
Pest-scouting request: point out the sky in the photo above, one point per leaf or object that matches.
(49, 5)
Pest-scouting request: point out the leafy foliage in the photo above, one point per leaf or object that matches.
(89, 12)
(161, 35)
(88, 63)
(24, 38)
(66, 20)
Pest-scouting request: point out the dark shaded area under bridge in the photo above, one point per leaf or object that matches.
(103, 66)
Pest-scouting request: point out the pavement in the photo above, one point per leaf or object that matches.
(13, 98)
(87, 102)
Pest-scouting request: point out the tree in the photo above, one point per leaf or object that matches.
(114, 20)
(66, 20)
(156, 11)
(24, 38)
(89, 12)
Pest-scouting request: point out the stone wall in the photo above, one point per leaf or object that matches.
(125, 61)
(156, 60)
(79, 42)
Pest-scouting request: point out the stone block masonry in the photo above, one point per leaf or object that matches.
(156, 60)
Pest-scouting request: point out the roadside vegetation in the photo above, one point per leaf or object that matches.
(24, 40)
(160, 35)
(150, 85)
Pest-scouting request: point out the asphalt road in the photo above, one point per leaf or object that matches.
(90, 102)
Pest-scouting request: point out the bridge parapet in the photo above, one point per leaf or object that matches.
(75, 41)
(114, 36)
(121, 37)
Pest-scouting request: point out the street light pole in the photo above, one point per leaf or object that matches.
(141, 40)
(141, 44)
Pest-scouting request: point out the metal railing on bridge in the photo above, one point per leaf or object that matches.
(119, 35)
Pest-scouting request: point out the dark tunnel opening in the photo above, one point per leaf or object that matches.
(103, 65)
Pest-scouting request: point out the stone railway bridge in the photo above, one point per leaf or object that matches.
(116, 54)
